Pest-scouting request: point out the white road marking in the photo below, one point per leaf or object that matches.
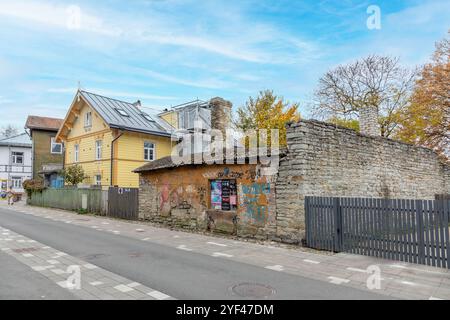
(183, 247)
(275, 268)
(408, 283)
(158, 295)
(41, 268)
(90, 266)
(217, 244)
(357, 270)
(123, 288)
(336, 280)
(53, 261)
(220, 254)
(434, 298)
(311, 261)
(95, 283)
(133, 284)
(58, 271)
(28, 255)
(145, 239)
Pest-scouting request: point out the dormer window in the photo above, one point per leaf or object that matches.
(122, 112)
(147, 117)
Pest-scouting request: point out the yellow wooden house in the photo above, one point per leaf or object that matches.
(110, 138)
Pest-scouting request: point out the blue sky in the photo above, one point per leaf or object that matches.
(165, 52)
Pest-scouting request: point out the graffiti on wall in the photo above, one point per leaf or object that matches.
(255, 201)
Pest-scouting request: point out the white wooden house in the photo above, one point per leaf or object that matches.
(15, 162)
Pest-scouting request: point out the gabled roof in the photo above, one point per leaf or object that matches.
(43, 123)
(115, 113)
(135, 119)
(21, 140)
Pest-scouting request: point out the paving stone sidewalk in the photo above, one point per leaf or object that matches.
(95, 283)
(399, 280)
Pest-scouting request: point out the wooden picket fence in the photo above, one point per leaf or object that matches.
(415, 231)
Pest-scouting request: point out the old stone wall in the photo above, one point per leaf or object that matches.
(325, 160)
(180, 197)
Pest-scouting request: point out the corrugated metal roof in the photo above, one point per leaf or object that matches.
(21, 140)
(137, 119)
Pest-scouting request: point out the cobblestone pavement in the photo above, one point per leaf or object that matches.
(398, 280)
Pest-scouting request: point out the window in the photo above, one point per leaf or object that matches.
(122, 112)
(88, 119)
(149, 151)
(147, 117)
(17, 157)
(223, 195)
(55, 148)
(98, 150)
(76, 149)
(16, 182)
(98, 180)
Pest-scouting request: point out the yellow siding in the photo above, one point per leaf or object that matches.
(171, 118)
(85, 138)
(128, 150)
(130, 155)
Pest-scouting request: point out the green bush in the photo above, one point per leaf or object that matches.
(33, 185)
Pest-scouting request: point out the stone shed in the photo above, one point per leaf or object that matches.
(224, 198)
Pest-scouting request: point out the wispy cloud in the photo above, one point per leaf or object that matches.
(259, 43)
(111, 93)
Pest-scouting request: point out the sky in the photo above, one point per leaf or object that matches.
(166, 52)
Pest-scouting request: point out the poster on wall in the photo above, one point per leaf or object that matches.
(216, 195)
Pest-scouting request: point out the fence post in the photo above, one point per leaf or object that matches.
(337, 225)
(307, 222)
(420, 231)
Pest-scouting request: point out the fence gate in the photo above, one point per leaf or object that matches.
(415, 231)
(123, 203)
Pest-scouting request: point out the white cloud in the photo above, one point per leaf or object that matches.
(111, 93)
(236, 39)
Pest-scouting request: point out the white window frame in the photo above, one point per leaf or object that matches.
(98, 179)
(153, 149)
(14, 180)
(53, 143)
(98, 149)
(15, 155)
(88, 119)
(76, 153)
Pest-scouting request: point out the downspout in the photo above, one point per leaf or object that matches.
(112, 158)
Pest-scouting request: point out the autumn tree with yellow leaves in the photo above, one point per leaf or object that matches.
(267, 111)
(426, 121)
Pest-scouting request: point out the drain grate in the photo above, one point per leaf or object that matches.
(252, 290)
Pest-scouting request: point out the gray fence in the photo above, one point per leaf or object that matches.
(91, 200)
(123, 203)
(415, 231)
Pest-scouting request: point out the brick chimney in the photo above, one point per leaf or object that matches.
(368, 121)
(220, 114)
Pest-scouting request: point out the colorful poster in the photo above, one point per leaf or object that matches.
(216, 195)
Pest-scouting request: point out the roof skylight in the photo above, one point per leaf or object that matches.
(122, 112)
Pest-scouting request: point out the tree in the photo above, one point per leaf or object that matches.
(8, 131)
(267, 111)
(73, 175)
(426, 121)
(374, 81)
(347, 123)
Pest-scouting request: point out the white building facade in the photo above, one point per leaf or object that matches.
(15, 162)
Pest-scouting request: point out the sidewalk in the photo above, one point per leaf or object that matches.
(398, 280)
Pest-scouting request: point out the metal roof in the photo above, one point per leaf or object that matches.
(108, 109)
(21, 140)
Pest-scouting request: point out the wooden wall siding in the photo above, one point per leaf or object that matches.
(415, 231)
(70, 199)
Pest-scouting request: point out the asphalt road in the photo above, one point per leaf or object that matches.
(180, 274)
(20, 282)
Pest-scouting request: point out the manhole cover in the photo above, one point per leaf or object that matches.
(252, 290)
(135, 255)
(95, 256)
